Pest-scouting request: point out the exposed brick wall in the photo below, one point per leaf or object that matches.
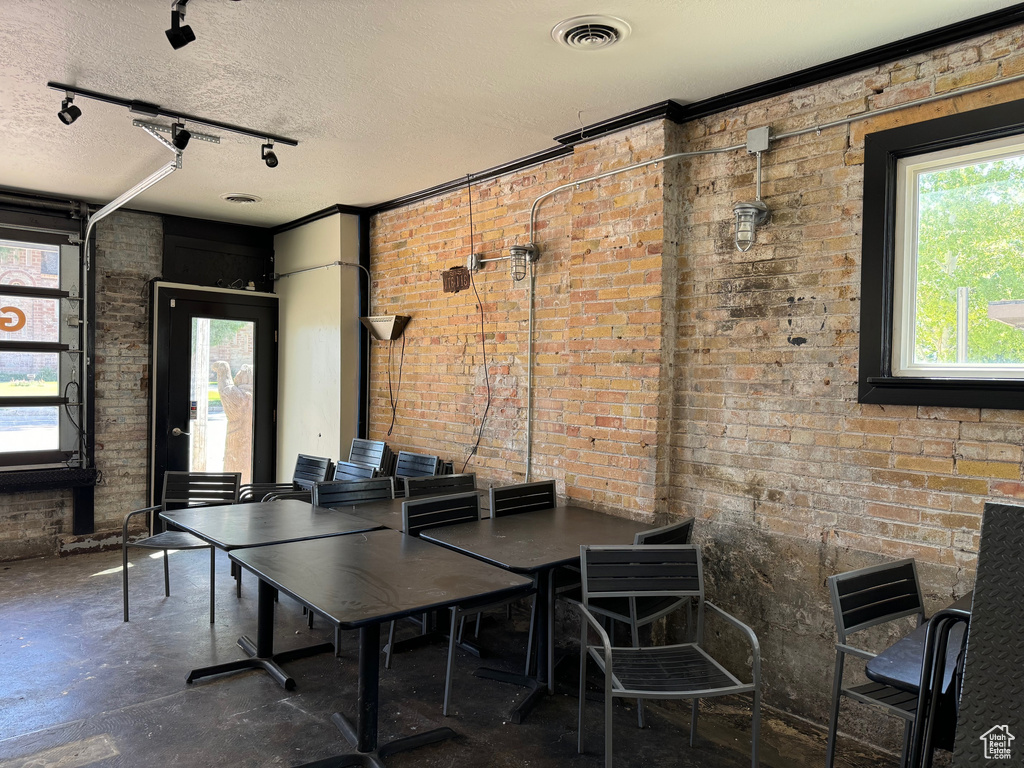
(709, 382)
(791, 479)
(598, 320)
(128, 254)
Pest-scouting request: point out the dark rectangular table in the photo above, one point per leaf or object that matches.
(361, 581)
(387, 513)
(238, 526)
(536, 543)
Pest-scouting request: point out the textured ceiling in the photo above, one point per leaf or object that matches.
(385, 98)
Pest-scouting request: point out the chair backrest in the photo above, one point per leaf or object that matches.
(415, 464)
(309, 470)
(346, 470)
(875, 595)
(641, 570)
(369, 452)
(190, 489)
(438, 484)
(434, 511)
(525, 497)
(343, 493)
(676, 533)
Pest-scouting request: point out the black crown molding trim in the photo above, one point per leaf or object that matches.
(682, 113)
(848, 65)
(664, 110)
(323, 213)
(536, 158)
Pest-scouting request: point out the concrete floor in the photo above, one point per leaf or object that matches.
(82, 688)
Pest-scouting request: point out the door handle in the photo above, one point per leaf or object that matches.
(178, 433)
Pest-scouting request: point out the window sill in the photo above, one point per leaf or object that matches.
(949, 393)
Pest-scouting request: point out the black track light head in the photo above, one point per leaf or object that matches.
(68, 112)
(268, 155)
(179, 36)
(180, 136)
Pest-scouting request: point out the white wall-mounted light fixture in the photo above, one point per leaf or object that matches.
(751, 215)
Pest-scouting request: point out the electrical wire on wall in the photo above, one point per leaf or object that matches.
(393, 395)
(483, 344)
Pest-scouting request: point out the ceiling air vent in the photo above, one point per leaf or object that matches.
(240, 198)
(590, 33)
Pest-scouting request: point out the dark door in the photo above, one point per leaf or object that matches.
(215, 383)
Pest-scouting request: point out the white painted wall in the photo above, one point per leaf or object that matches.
(319, 341)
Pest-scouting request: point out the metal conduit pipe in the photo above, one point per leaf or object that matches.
(679, 155)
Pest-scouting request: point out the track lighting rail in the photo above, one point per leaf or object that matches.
(155, 110)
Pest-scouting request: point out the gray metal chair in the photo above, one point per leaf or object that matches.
(437, 485)
(862, 599)
(431, 512)
(181, 489)
(308, 470)
(372, 453)
(524, 497)
(347, 470)
(681, 671)
(414, 465)
(345, 493)
(641, 611)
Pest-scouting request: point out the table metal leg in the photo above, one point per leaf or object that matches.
(261, 652)
(541, 685)
(363, 734)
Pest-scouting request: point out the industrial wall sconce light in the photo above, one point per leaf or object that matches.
(519, 256)
(751, 215)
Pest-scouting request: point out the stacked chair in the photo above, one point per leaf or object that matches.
(372, 453)
(308, 470)
(414, 465)
(181, 490)
(438, 485)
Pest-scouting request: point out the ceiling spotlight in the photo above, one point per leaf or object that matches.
(68, 111)
(268, 155)
(179, 135)
(179, 36)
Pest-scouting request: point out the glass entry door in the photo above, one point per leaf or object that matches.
(215, 384)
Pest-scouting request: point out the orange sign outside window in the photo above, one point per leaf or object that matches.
(11, 319)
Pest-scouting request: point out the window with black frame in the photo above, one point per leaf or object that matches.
(942, 302)
(41, 365)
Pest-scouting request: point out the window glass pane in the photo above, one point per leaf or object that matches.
(223, 375)
(29, 429)
(32, 264)
(23, 318)
(29, 374)
(970, 243)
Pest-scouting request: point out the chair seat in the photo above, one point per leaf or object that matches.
(900, 703)
(671, 669)
(170, 540)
